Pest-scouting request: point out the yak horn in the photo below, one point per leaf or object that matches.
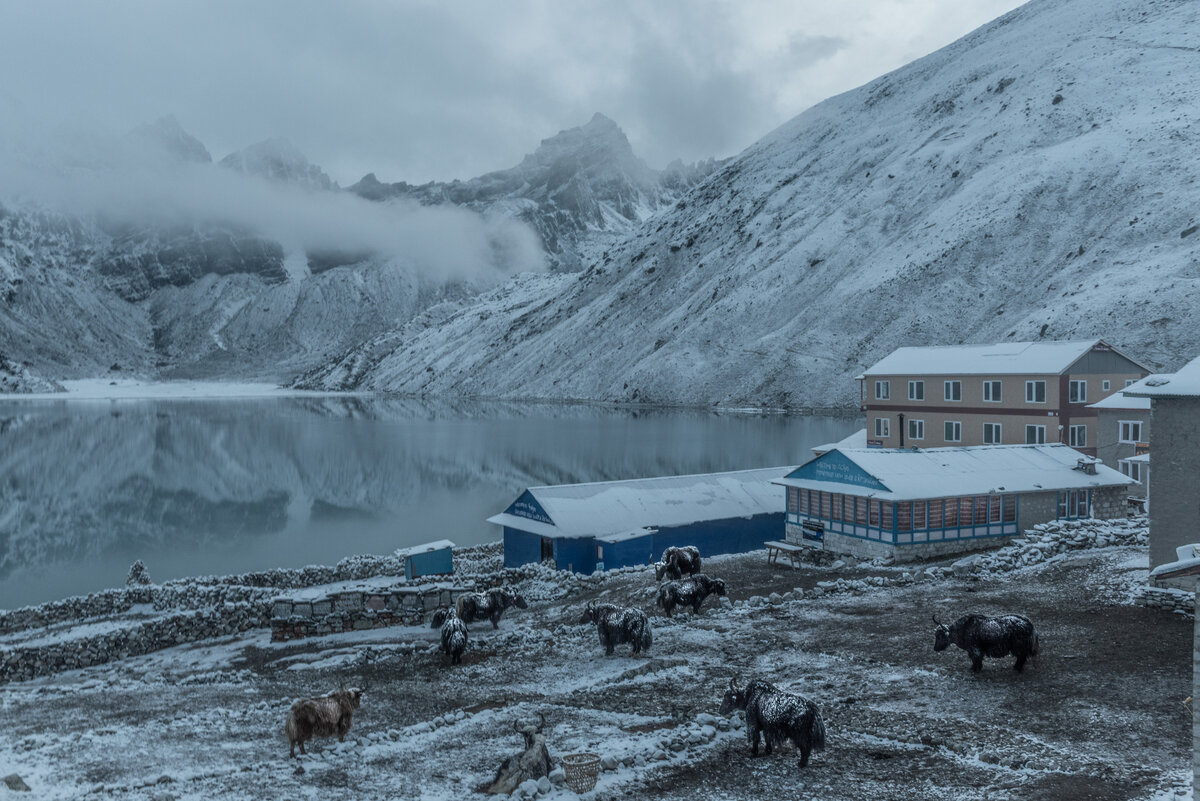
(542, 721)
(936, 622)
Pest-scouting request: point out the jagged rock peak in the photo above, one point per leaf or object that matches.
(599, 139)
(278, 160)
(168, 135)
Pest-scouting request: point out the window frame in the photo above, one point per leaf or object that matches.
(883, 390)
(993, 391)
(957, 429)
(999, 433)
(1031, 387)
(1041, 437)
(1071, 438)
(913, 387)
(957, 385)
(1131, 469)
(912, 426)
(883, 428)
(1105, 385)
(1121, 432)
(1077, 390)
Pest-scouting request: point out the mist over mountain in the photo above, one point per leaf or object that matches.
(1035, 179)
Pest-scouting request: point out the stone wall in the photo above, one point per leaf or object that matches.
(1170, 599)
(294, 618)
(1110, 503)
(1175, 461)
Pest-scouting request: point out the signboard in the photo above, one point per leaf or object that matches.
(1100, 347)
(527, 506)
(1141, 447)
(836, 468)
(874, 443)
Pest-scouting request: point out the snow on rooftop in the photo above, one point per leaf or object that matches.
(1184, 383)
(436, 545)
(912, 474)
(613, 507)
(1143, 458)
(1119, 400)
(856, 440)
(1187, 564)
(1006, 358)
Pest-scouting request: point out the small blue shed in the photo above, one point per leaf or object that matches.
(610, 524)
(430, 559)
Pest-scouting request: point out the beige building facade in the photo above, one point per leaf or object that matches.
(1021, 393)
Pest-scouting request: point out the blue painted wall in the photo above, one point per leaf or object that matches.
(521, 547)
(577, 553)
(429, 564)
(636, 551)
(733, 535)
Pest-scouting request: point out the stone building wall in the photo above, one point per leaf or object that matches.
(1175, 460)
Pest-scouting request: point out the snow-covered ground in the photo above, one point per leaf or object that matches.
(1098, 715)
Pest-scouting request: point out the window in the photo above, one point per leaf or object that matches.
(1131, 431)
(981, 510)
(836, 512)
(1073, 503)
(1078, 437)
(1129, 382)
(883, 390)
(874, 514)
(860, 511)
(918, 515)
(993, 508)
(916, 429)
(1010, 509)
(916, 390)
(882, 427)
(1078, 392)
(953, 431)
(953, 390)
(793, 500)
(935, 514)
(1035, 391)
(951, 518)
(991, 391)
(1035, 435)
(1131, 469)
(599, 553)
(888, 508)
(1105, 385)
(904, 516)
(991, 433)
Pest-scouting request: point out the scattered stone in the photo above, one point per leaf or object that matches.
(543, 785)
(775, 598)
(838, 564)
(608, 762)
(15, 783)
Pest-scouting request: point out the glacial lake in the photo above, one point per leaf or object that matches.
(194, 487)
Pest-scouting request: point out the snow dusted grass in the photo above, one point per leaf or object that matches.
(1097, 715)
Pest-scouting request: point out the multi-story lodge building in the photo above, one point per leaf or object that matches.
(1015, 393)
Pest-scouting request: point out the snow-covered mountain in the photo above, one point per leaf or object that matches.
(212, 289)
(1035, 179)
(582, 190)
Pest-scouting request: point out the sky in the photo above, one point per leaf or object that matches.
(447, 89)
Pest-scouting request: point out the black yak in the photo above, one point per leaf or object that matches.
(689, 592)
(488, 605)
(778, 716)
(677, 561)
(980, 636)
(322, 717)
(454, 636)
(532, 763)
(617, 625)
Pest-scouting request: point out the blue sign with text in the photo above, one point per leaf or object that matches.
(836, 468)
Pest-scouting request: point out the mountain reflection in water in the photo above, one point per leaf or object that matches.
(225, 486)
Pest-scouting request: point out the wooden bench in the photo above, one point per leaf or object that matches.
(792, 552)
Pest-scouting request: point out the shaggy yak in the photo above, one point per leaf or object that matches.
(777, 715)
(677, 561)
(322, 717)
(488, 605)
(982, 636)
(617, 625)
(689, 592)
(454, 636)
(532, 763)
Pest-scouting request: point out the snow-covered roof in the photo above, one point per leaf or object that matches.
(623, 536)
(1187, 563)
(1143, 458)
(856, 440)
(1119, 400)
(1006, 358)
(436, 545)
(1184, 383)
(616, 507)
(912, 474)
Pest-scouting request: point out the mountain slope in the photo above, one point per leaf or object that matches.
(582, 190)
(1036, 178)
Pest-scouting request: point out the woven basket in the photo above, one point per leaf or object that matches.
(581, 770)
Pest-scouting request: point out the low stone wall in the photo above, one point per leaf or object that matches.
(1168, 598)
(293, 618)
(23, 663)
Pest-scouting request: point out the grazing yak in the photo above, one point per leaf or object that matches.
(677, 561)
(454, 636)
(689, 592)
(982, 636)
(322, 717)
(778, 716)
(488, 605)
(617, 625)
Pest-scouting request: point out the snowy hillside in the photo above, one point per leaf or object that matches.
(1037, 178)
(581, 190)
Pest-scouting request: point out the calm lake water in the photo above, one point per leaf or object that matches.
(225, 486)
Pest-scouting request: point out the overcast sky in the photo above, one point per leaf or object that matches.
(444, 89)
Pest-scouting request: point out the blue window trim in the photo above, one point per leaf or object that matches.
(1003, 528)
